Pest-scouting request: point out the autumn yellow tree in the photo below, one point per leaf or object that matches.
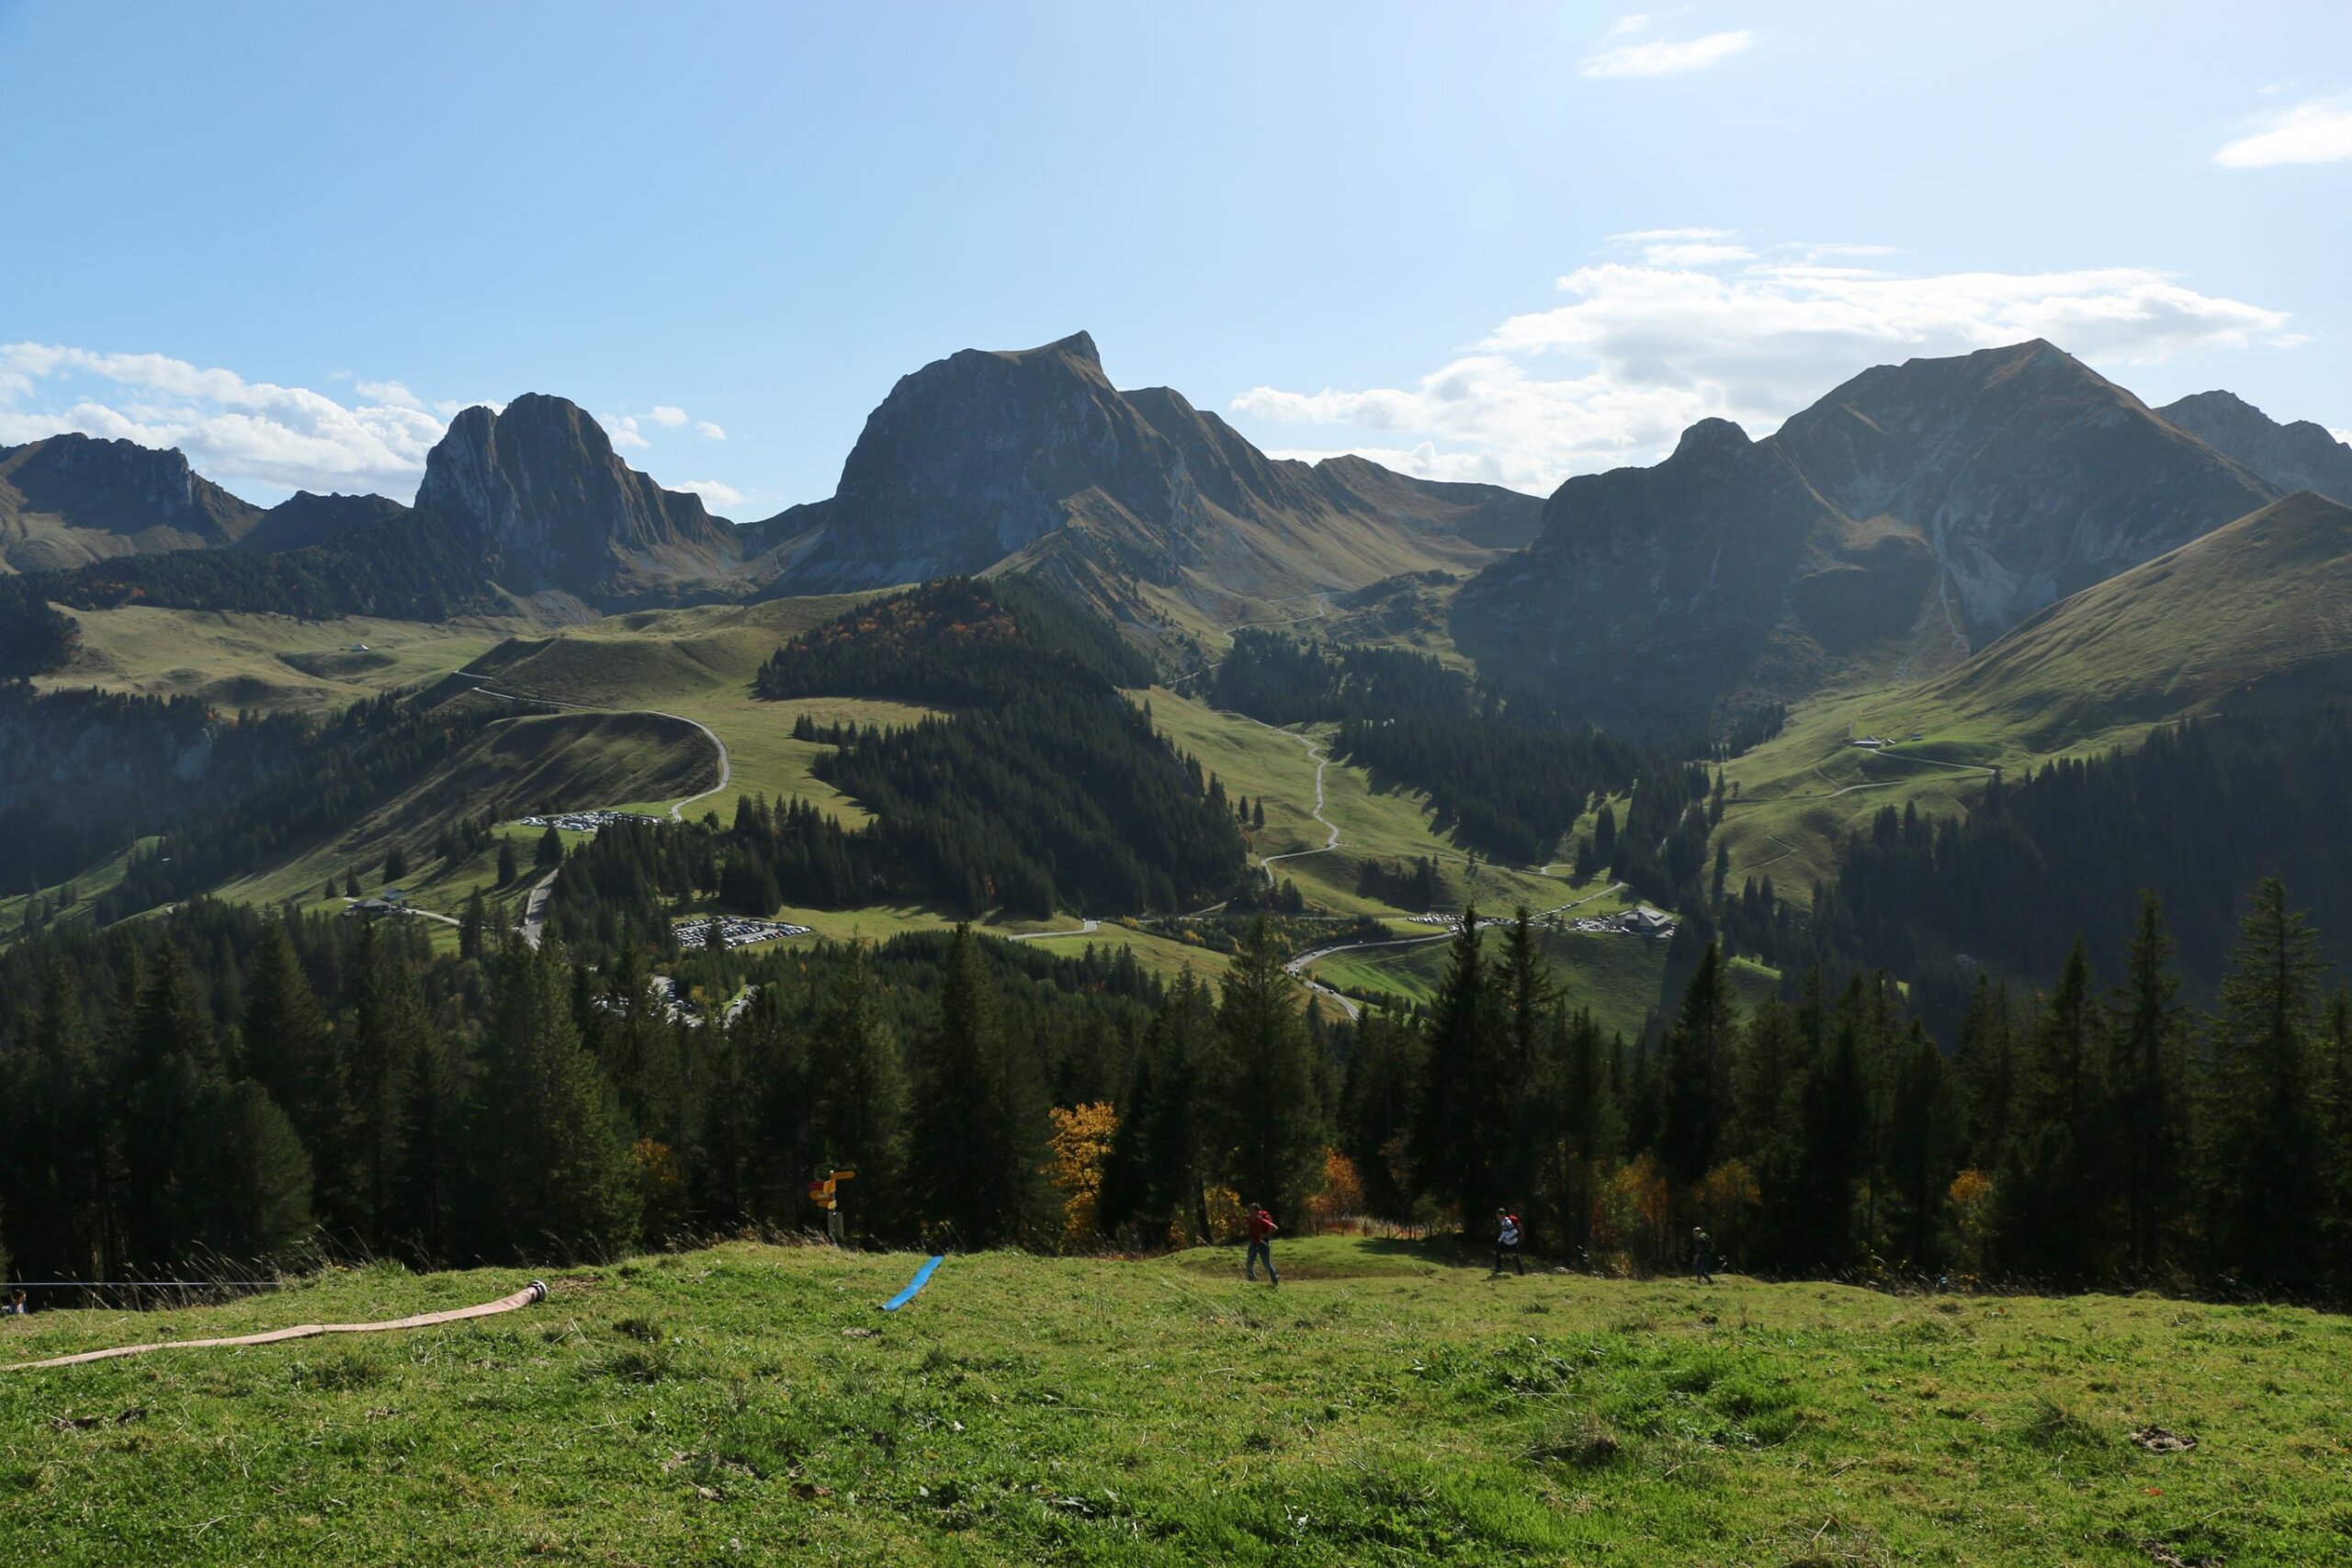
(1081, 1146)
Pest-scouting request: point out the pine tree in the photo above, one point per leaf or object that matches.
(507, 868)
(2262, 1167)
(551, 850)
(980, 1129)
(2142, 1122)
(1268, 1121)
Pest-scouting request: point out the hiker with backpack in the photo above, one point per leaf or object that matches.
(1260, 1229)
(1702, 1254)
(1507, 1235)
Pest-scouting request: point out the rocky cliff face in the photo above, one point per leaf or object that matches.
(1914, 514)
(2300, 456)
(558, 509)
(73, 499)
(1033, 460)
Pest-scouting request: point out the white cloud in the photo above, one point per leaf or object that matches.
(232, 430)
(712, 492)
(664, 415)
(1664, 57)
(2317, 130)
(1627, 24)
(1650, 350)
(622, 428)
(709, 431)
(1695, 256)
(2344, 435)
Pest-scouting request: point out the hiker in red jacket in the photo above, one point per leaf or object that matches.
(1260, 1228)
(1507, 1236)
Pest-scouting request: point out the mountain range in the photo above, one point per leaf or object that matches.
(1914, 515)
(1909, 519)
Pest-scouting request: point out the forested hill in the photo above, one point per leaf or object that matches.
(1045, 788)
(415, 566)
(2214, 805)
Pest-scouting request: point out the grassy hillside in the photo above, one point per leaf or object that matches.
(265, 661)
(572, 760)
(1387, 1405)
(699, 663)
(2251, 616)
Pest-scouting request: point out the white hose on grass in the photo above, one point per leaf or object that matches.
(529, 1296)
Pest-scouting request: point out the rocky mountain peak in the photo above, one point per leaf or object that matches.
(2300, 456)
(557, 507)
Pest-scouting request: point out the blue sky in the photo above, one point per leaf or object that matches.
(1503, 242)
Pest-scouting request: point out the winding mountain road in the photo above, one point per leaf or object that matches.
(1314, 750)
(535, 907)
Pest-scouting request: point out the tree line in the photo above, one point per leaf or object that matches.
(231, 1082)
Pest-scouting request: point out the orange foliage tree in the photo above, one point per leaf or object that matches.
(1342, 1193)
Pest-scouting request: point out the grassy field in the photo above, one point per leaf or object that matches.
(1390, 1404)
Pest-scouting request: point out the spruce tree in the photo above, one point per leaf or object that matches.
(981, 1128)
(2262, 1179)
(2143, 1123)
(472, 926)
(1181, 1048)
(289, 1051)
(2046, 1190)
(1698, 1070)
(549, 854)
(1268, 1122)
(507, 868)
(861, 1093)
(1529, 1002)
(1459, 1128)
(552, 1171)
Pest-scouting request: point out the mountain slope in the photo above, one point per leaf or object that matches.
(2300, 456)
(1033, 461)
(1913, 515)
(556, 508)
(73, 499)
(2254, 614)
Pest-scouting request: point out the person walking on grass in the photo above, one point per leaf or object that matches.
(1507, 1240)
(1260, 1229)
(1702, 1254)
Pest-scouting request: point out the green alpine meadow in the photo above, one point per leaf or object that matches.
(1390, 1402)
